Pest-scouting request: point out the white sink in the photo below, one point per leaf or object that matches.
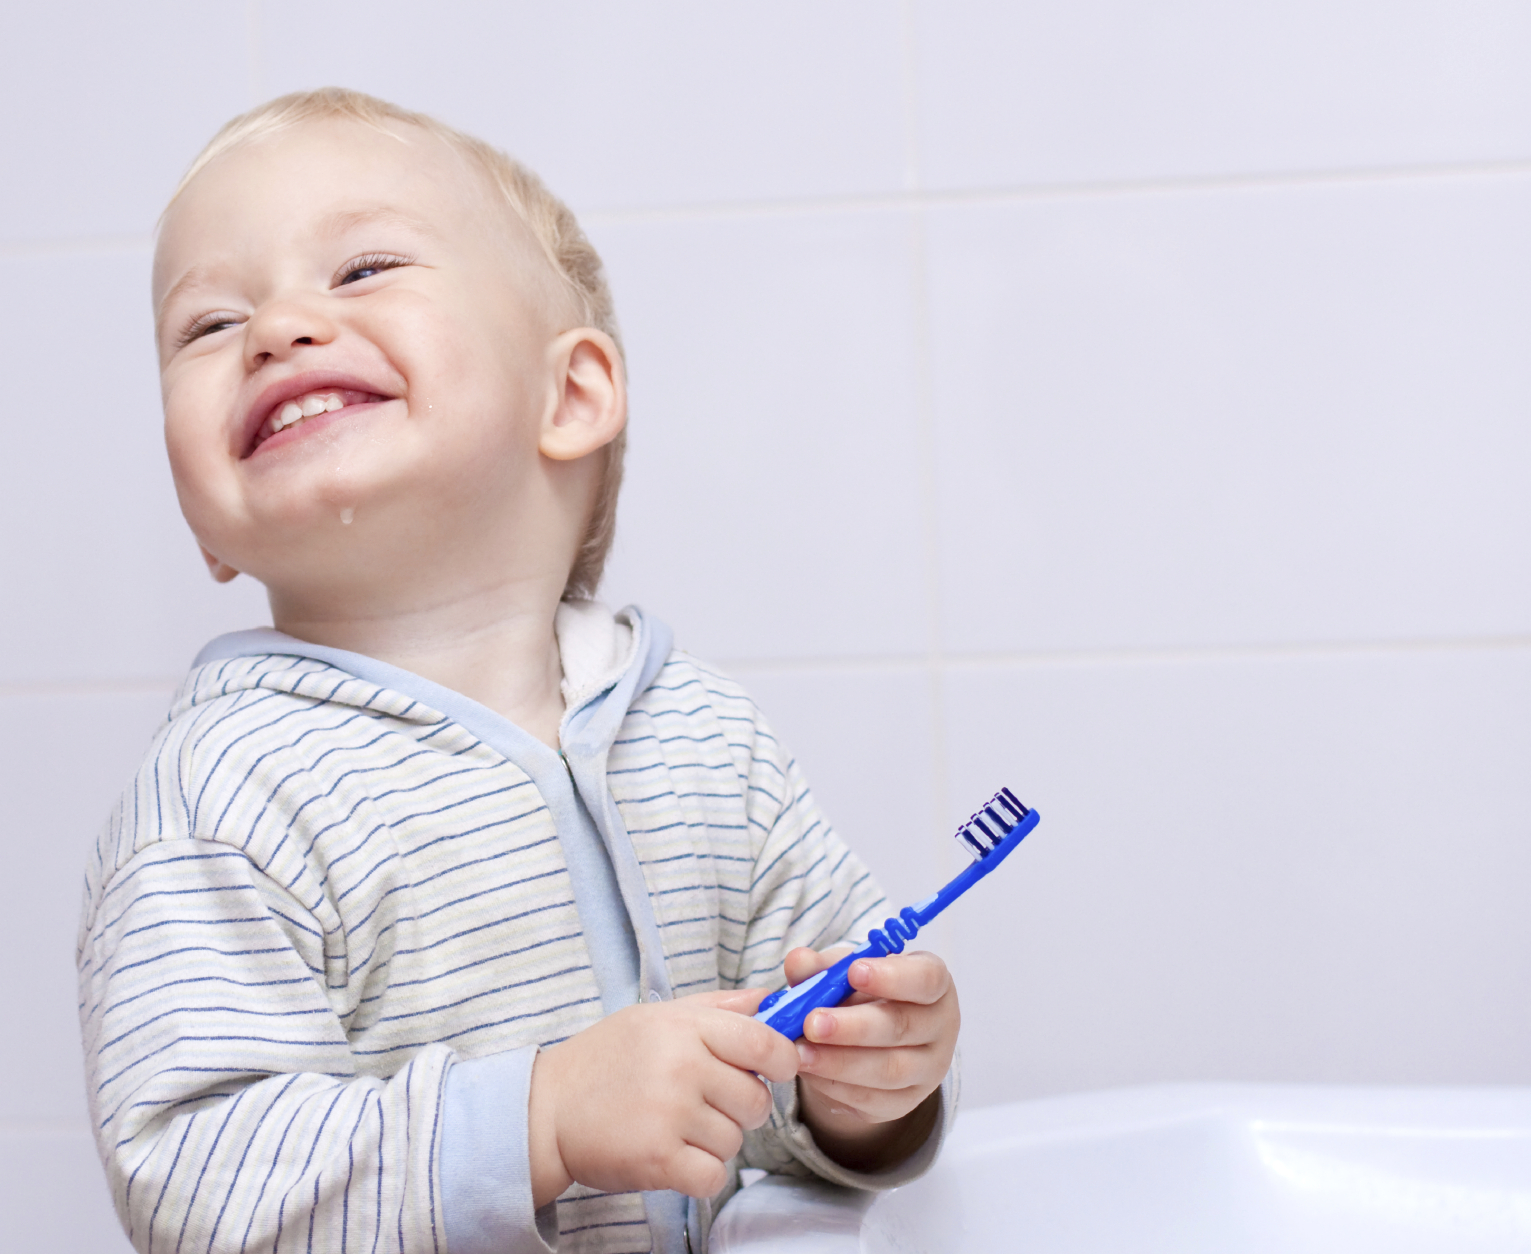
(1236, 1169)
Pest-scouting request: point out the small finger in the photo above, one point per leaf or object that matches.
(875, 1024)
(695, 1172)
(750, 1046)
(710, 1130)
(872, 1104)
(885, 1069)
(916, 976)
(744, 1001)
(738, 1095)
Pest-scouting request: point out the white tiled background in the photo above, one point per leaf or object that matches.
(1128, 403)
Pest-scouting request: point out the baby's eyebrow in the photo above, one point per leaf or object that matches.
(193, 277)
(344, 220)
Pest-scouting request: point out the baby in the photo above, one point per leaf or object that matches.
(436, 917)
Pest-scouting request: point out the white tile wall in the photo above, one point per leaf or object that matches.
(774, 498)
(1107, 90)
(105, 105)
(1307, 867)
(1047, 394)
(1273, 413)
(653, 104)
(53, 1194)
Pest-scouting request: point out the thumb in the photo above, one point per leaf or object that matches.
(801, 963)
(744, 1001)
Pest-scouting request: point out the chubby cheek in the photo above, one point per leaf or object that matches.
(195, 468)
(211, 482)
(471, 434)
(475, 366)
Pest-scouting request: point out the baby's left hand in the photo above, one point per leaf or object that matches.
(869, 1066)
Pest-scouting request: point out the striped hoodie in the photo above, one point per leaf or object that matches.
(340, 907)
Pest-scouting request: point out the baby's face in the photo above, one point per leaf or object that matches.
(350, 332)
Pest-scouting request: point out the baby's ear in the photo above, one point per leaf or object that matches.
(588, 405)
(221, 571)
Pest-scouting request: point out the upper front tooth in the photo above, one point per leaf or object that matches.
(291, 412)
(334, 402)
(312, 405)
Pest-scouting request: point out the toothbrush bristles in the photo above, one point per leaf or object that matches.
(986, 830)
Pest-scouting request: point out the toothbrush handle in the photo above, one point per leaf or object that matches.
(787, 1009)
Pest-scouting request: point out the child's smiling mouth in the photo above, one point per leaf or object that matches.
(277, 414)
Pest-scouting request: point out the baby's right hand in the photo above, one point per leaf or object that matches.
(654, 1097)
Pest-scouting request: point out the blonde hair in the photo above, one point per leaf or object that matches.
(551, 224)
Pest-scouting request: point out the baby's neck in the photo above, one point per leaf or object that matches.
(496, 647)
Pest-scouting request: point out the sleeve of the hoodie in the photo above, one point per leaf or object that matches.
(229, 1109)
(808, 888)
(233, 1107)
(486, 1183)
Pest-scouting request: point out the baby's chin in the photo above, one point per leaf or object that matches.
(303, 542)
(361, 553)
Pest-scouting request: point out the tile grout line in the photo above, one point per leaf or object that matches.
(909, 68)
(947, 662)
(253, 70)
(90, 688)
(925, 423)
(72, 247)
(1028, 193)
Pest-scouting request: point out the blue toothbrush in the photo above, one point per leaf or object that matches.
(988, 837)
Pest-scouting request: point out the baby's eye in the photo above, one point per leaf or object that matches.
(366, 267)
(204, 325)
